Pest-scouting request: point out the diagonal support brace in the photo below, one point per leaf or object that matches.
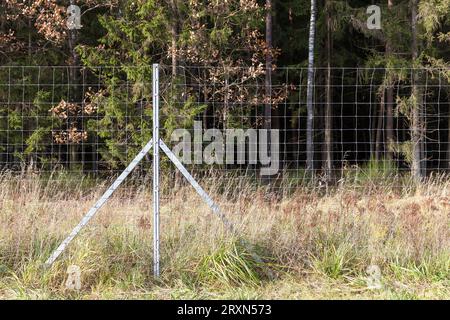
(91, 213)
(210, 202)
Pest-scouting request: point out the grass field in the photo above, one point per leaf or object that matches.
(318, 244)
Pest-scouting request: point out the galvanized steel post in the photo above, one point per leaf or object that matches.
(156, 270)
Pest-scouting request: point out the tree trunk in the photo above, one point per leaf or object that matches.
(416, 123)
(389, 122)
(310, 93)
(380, 125)
(174, 30)
(328, 145)
(75, 94)
(268, 79)
(389, 103)
(448, 132)
(226, 102)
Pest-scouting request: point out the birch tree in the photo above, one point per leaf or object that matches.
(310, 93)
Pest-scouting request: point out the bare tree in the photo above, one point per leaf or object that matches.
(310, 93)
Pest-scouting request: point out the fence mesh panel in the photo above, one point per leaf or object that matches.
(93, 121)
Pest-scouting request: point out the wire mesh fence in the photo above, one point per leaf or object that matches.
(241, 122)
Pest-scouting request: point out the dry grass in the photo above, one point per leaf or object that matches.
(319, 245)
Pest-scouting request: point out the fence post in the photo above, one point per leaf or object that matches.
(156, 271)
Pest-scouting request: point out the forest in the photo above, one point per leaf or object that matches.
(341, 94)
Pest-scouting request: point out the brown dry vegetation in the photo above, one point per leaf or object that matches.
(318, 244)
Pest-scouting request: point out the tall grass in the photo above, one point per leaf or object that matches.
(318, 244)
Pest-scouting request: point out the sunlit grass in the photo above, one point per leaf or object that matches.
(318, 245)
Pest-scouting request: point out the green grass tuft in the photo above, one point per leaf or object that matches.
(335, 261)
(230, 265)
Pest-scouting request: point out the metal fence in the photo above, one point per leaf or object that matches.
(230, 121)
